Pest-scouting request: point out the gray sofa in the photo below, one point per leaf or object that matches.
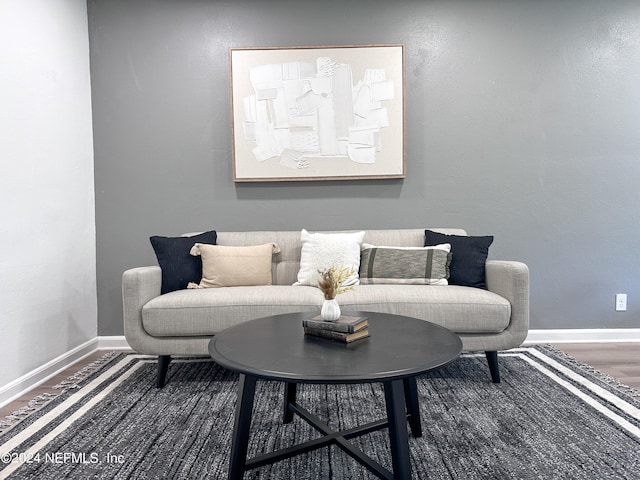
(182, 322)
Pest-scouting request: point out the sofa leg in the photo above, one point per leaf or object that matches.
(492, 359)
(163, 366)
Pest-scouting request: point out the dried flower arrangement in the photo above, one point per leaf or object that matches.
(332, 281)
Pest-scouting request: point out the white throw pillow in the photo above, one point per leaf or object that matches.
(321, 251)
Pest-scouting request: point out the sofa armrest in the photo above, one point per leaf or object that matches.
(510, 280)
(139, 285)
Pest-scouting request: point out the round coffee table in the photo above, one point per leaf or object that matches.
(276, 348)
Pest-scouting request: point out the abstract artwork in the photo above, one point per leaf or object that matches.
(317, 113)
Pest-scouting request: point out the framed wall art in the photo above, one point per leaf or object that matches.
(317, 113)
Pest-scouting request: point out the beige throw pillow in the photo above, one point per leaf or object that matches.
(226, 266)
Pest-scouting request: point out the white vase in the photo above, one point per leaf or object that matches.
(330, 311)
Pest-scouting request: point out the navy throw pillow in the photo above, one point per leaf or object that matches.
(468, 256)
(178, 266)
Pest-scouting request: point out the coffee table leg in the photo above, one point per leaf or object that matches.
(413, 407)
(399, 438)
(242, 423)
(289, 397)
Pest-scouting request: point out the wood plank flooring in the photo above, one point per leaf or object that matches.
(620, 360)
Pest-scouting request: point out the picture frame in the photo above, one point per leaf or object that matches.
(317, 113)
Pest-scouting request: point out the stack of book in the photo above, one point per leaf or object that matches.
(346, 329)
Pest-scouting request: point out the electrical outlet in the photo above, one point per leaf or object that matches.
(621, 302)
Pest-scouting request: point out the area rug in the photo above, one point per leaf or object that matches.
(550, 418)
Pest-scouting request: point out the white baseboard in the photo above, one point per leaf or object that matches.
(31, 380)
(113, 343)
(569, 335)
(18, 387)
(22, 385)
(595, 335)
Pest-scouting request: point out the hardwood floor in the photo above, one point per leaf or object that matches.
(620, 360)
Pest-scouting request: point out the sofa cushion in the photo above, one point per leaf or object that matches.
(226, 266)
(460, 309)
(405, 265)
(469, 255)
(207, 311)
(178, 266)
(321, 251)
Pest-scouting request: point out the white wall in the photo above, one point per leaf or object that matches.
(48, 300)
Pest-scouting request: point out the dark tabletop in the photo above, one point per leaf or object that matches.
(276, 348)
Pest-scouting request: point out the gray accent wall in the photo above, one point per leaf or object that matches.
(522, 121)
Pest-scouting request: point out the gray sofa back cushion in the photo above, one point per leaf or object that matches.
(286, 264)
